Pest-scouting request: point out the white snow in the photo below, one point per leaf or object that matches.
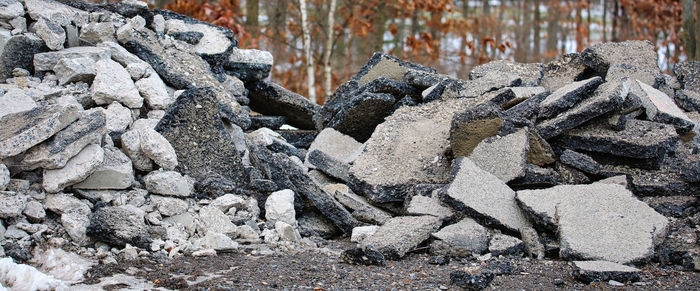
(24, 277)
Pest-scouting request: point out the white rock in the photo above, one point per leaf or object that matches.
(158, 23)
(34, 211)
(15, 100)
(48, 60)
(216, 241)
(204, 252)
(287, 232)
(168, 183)
(247, 232)
(75, 215)
(225, 202)
(158, 149)
(213, 42)
(113, 83)
(97, 32)
(120, 54)
(279, 206)
(131, 145)
(118, 117)
(116, 172)
(169, 206)
(156, 114)
(72, 70)
(12, 9)
(138, 71)
(360, 233)
(154, 91)
(53, 34)
(77, 169)
(4, 176)
(11, 204)
(214, 220)
(57, 12)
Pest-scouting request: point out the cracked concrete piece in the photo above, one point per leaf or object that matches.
(504, 157)
(401, 234)
(76, 169)
(23, 130)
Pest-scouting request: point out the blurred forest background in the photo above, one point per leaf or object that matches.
(450, 35)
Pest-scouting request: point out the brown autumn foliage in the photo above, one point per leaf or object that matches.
(451, 35)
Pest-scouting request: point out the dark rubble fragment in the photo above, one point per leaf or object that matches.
(198, 132)
(688, 100)
(688, 74)
(18, 52)
(567, 96)
(580, 161)
(272, 99)
(363, 256)
(564, 70)
(300, 139)
(271, 122)
(607, 98)
(469, 281)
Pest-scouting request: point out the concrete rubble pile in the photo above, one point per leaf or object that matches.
(131, 132)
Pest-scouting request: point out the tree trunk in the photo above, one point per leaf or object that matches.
(552, 28)
(689, 29)
(327, 70)
(414, 22)
(252, 11)
(521, 53)
(463, 45)
(605, 20)
(536, 32)
(277, 16)
(579, 29)
(306, 34)
(616, 16)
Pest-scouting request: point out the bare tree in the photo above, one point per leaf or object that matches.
(306, 35)
(327, 70)
(252, 11)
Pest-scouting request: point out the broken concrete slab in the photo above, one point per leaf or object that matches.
(461, 239)
(198, 133)
(419, 135)
(504, 157)
(115, 172)
(580, 161)
(113, 83)
(428, 205)
(48, 60)
(688, 100)
(361, 209)
(94, 33)
(618, 72)
(72, 70)
(362, 113)
(55, 11)
(563, 70)
(333, 158)
(401, 234)
(53, 34)
(489, 82)
(531, 73)
(540, 153)
(603, 271)
(55, 152)
(509, 97)
(23, 130)
(599, 57)
(272, 99)
(471, 127)
(567, 96)
(607, 97)
(597, 221)
(249, 65)
(77, 169)
(506, 245)
(640, 139)
(483, 196)
(687, 73)
(11, 204)
(661, 108)
(169, 206)
(15, 100)
(154, 92)
(168, 183)
(536, 177)
(18, 52)
(131, 145)
(271, 122)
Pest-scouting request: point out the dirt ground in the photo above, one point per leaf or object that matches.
(324, 270)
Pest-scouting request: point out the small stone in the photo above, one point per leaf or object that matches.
(287, 232)
(77, 169)
(11, 9)
(18, 52)
(11, 204)
(158, 23)
(401, 234)
(533, 246)
(362, 256)
(53, 34)
(118, 117)
(460, 239)
(602, 271)
(225, 202)
(115, 172)
(204, 253)
(158, 149)
(24, 130)
(168, 183)
(96, 32)
(34, 211)
(169, 206)
(113, 83)
(360, 233)
(154, 91)
(279, 206)
(505, 245)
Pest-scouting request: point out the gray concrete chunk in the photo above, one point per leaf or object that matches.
(504, 157)
(168, 183)
(115, 172)
(661, 108)
(567, 96)
(597, 221)
(688, 74)
(72, 70)
(608, 97)
(401, 234)
(47, 61)
(23, 130)
(461, 239)
(15, 100)
(11, 204)
(53, 34)
(531, 74)
(688, 100)
(76, 169)
(633, 52)
(604, 271)
(484, 197)
(57, 150)
(562, 71)
(113, 83)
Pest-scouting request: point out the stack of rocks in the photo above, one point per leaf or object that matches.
(137, 132)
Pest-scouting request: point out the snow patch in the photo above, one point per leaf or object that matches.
(24, 277)
(69, 267)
